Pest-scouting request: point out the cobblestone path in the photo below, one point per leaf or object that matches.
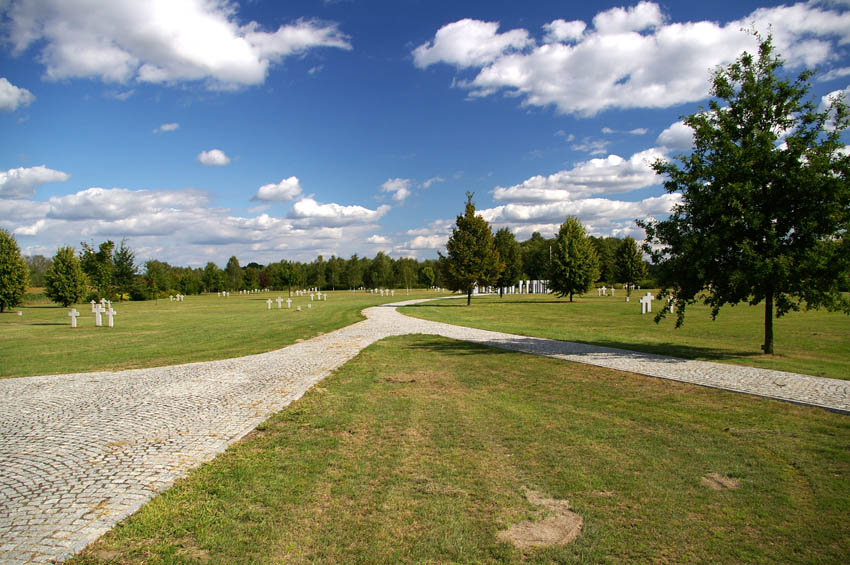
(79, 452)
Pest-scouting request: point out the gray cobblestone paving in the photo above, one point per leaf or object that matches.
(80, 452)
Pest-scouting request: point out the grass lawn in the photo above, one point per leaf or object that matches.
(157, 333)
(814, 342)
(421, 450)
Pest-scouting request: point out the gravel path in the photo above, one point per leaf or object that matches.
(79, 452)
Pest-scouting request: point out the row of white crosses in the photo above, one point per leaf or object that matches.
(223, 293)
(98, 309)
(383, 292)
(178, 298)
(603, 291)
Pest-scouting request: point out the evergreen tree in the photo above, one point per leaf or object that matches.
(575, 266)
(765, 198)
(14, 275)
(124, 273)
(65, 280)
(471, 257)
(511, 255)
(628, 264)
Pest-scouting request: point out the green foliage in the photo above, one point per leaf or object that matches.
(14, 275)
(124, 273)
(379, 274)
(471, 254)
(606, 250)
(575, 266)
(427, 276)
(629, 267)
(765, 198)
(213, 278)
(536, 253)
(37, 266)
(511, 255)
(158, 279)
(233, 274)
(65, 282)
(99, 267)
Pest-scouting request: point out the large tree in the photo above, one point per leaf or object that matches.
(233, 274)
(212, 277)
(124, 271)
(575, 265)
(65, 281)
(99, 267)
(14, 276)
(511, 255)
(765, 198)
(471, 257)
(629, 267)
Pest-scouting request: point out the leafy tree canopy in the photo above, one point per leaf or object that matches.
(575, 266)
(471, 254)
(65, 279)
(765, 198)
(14, 275)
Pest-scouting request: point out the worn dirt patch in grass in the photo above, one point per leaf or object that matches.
(716, 481)
(560, 529)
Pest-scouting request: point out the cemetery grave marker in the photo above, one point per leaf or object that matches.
(269, 303)
(288, 302)
(110, 314)
(278, 300)
(73, 313)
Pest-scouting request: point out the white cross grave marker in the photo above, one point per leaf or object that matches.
(92, 305)
(278, 300)
(645, 304)
(288, 303)
(73, 315)
(269, 303)
(98, 319)
(309, 306)
(110, 314)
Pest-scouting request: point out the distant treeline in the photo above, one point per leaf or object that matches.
(113, 272)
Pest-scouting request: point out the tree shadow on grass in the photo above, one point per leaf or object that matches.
(449, 346)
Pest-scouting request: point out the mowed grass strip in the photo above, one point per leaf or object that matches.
(814, 342)
(421, 448)
(159, 333)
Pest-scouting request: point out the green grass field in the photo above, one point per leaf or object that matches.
(157, 333)
(421, 450)
(810, 342)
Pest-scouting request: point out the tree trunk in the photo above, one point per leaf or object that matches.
(768, 324)
(501, 291)
(469, 297)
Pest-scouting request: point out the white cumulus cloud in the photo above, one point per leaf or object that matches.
(677, 137)
(629, 58)
(13, 97)
(286, 189)
(213, 157)
(377, 239)
(609, 175)
(158, 40)
(22, 182)
(400, 188)
(468, 43)
(307, 211)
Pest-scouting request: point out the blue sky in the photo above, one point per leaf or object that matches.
(203, 129)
